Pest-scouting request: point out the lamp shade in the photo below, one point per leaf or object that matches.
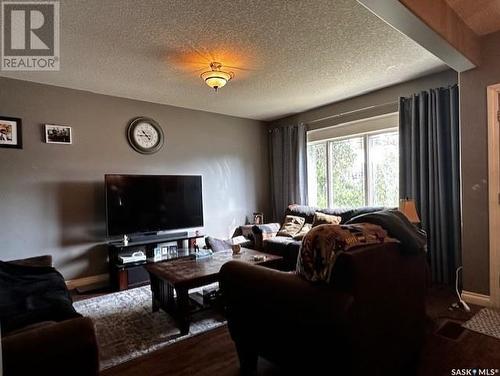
(408, 208)
(216, 78)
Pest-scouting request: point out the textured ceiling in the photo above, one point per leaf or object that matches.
(289, 56)
(482, 16)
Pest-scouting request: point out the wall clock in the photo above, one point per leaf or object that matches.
(145, 135)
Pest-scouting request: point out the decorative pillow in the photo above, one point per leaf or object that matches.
(217, 245)
(325, 219)
(291, 226)
(263, 232)
(303, 231)
(269, 229)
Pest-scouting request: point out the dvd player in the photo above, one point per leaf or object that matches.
(134, 257)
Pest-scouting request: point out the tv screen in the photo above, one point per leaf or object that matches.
(151, 203)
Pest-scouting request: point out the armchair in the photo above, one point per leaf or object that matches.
(67, 347)
(368, 320)
(49, 347)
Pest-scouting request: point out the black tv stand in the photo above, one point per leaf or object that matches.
(159, 238)
(129, 275)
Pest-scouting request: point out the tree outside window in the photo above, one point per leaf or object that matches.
(354, 171)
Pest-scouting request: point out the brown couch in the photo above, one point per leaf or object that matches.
(266, 240)
(368, 321)
(51, 348)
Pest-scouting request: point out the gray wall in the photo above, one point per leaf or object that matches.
(385, 101)
(52, 196)
(474, 127)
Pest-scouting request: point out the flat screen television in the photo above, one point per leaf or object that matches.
(152, 203)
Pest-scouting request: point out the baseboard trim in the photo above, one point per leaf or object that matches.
(475, 298)
(86, 281)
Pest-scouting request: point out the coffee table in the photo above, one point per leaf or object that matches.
(184, 274)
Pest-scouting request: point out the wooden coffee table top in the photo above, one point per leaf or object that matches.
(189, 273)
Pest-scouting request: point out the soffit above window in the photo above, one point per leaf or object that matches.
(373, 124)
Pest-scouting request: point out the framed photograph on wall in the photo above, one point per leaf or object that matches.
(258, 218)
(58, 134)
(11, 135)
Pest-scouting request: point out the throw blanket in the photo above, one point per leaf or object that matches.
(29, 295)
(323, 243)
(413, 239)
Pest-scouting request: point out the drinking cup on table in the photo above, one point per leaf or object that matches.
(236, 249)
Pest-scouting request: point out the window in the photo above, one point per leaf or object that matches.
(316, 175)
(354, 171)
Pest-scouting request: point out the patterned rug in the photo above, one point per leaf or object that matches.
(486, 321)
(127, 328)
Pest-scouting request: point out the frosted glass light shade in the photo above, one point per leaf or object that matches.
(216, 78)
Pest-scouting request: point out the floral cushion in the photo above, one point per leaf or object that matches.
(303, 231)
(291, 226)
(325, 219)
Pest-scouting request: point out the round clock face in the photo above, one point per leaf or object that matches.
(145, 135)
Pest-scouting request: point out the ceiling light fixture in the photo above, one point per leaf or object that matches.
(216, 78)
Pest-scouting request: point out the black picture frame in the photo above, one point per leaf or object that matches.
(58, 134)
(18, 132)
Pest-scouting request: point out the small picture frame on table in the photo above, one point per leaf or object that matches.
(164, 250)
(11, 135)
(58, 134)
(168, 250)
(157, 254)
(258, 218)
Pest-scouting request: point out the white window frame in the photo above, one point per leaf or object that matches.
(368, 193)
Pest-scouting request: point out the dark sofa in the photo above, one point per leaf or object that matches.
(66, 347)
(265, 235)
(368, 321)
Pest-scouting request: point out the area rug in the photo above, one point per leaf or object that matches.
(486, 321)
(126, 327)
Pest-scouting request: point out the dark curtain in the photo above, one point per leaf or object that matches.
(430, 172)
(288, 156)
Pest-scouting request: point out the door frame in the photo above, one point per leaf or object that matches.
(493, 95)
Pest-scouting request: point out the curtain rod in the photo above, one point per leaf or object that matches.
(349, 112)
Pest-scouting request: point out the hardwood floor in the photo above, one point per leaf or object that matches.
(471, 350)
(207, 354)
(198, 355)
(213, 353)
